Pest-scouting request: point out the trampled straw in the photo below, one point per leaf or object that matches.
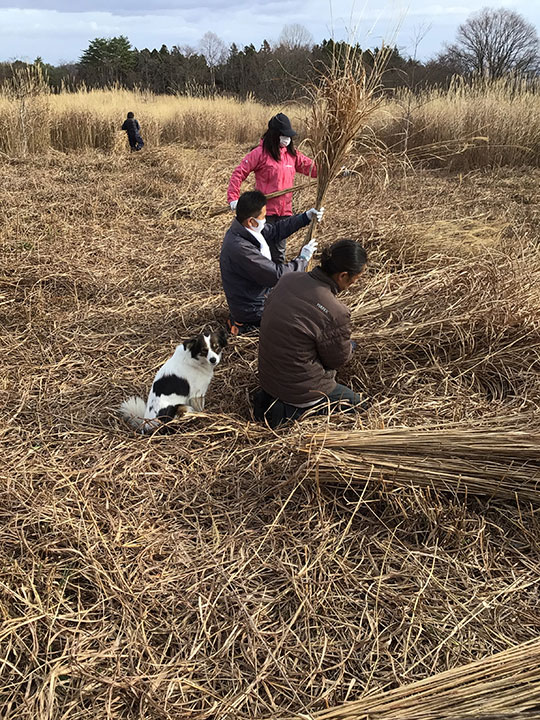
(213, 574)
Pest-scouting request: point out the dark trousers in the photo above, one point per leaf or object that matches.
(135, 142)
(272, 219)
(274, 412)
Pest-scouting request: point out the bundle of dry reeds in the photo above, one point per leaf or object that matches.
(507, 683)
(342, 102)
(488, 461)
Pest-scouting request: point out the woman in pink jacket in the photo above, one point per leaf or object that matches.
(275, 162)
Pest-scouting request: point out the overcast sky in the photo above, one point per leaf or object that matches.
(59, 30)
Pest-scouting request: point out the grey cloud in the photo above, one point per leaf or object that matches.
(135, 7)
(63, 29)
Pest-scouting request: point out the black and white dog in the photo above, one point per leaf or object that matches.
(180, 384)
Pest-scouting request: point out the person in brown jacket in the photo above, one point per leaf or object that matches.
(305, 337)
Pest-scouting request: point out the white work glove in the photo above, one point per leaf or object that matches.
(308, 250)
(233, 204)
(314, 213)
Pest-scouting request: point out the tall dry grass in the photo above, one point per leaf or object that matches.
(470, 125)
(93, 118)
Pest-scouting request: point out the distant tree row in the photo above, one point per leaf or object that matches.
(491, 43)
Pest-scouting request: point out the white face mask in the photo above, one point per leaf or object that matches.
(284, 140)
(260, 225)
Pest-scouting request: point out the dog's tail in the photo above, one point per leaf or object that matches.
(132, 410)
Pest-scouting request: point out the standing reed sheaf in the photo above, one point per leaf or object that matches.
(342, 102)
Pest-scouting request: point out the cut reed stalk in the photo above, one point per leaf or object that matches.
(507, 683)
(226, 208)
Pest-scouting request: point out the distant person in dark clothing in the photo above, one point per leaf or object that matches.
(133, 129)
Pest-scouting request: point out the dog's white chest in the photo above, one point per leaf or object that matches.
(199, 381)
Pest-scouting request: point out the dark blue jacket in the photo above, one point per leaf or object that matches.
(247, 275)
(132, 127)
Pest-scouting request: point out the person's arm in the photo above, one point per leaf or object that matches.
(240, 173)
(305, 165)
(137, 126)
(124, 126)
(334, 345)
(249, 261)
(276, 232)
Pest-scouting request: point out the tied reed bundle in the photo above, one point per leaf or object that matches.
(487, 460)
(342, 102)
(507, 683)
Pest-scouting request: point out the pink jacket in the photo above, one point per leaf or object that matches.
(271, 176)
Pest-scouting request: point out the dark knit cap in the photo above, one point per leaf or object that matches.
(282, 124)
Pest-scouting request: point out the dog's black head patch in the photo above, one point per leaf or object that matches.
(196, 346)
(210, 342)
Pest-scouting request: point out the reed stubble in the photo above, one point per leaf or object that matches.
(214, 573)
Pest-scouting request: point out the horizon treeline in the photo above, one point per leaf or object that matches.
(270, 74)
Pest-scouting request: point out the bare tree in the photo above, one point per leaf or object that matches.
(214, 50)
(295, 37)
(494, 43)
(186, 50)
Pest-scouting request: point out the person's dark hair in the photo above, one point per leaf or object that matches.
(343, 256)
(130, 115)
(271, 144)
(250, 204)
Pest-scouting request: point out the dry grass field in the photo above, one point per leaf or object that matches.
(229, 571)
(464, 128)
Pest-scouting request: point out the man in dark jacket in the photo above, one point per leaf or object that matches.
(252, 258)
(133, 129)
(306, 336)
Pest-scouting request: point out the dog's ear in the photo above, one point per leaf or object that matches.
(195, 346)
(222, 337)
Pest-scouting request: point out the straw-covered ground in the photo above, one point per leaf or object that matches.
(229, 571)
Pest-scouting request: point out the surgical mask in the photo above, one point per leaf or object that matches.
(284, 140)
(260, 225)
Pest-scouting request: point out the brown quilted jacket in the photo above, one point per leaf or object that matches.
(305, 337)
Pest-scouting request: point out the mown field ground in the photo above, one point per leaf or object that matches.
(216, 573)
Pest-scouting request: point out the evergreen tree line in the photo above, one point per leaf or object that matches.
(491, 43)
(269, 74)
